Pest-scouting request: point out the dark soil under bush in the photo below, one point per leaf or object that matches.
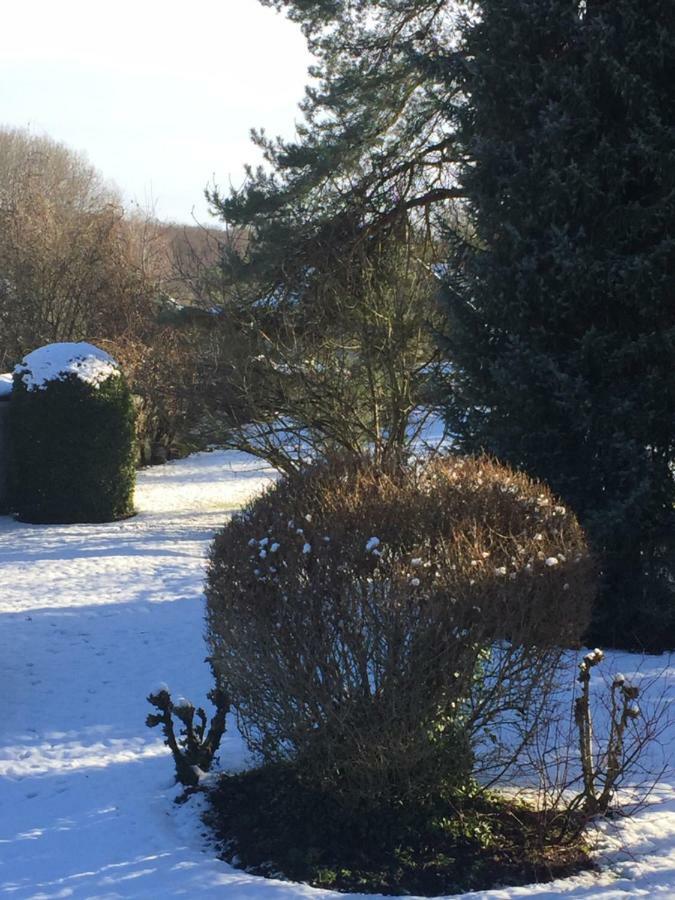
(270, 824)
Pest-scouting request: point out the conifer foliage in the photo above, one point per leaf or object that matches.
(562, 306)
(538, 134)
(334, 288)
(375, 142)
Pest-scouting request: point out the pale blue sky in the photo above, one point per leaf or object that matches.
(159, 95)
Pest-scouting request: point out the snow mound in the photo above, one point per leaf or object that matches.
(55, 362)
(5, 384)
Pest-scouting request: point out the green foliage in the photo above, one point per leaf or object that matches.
(556, 116)
(335, 280)
(561, 310)
(375, 142)
(72, 451)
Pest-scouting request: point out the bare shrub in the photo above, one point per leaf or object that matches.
(194, 749)
(69, 269)
(75, 265)
(605, 758)
(340, 351)
(395, 633)
(624, 709)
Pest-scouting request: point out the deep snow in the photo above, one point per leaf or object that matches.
(91, 618)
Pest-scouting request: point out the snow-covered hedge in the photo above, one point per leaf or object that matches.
(379, 630)
(71, 437)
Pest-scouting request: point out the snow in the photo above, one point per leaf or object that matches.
(92, 616)
(426, 432)
(182, 703)
(55, 362)
(5, 384)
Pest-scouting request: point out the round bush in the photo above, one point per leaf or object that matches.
(393, 635)
(71, 437)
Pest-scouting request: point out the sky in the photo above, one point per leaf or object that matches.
(159, 96)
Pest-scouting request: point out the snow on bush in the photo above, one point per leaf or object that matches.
(57, 362)
(71, 437)
(427, 615)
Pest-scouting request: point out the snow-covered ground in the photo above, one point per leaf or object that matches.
(91, 617)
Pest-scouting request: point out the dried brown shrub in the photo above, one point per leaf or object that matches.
(396, 633)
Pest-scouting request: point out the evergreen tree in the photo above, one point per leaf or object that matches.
(375, 145)
(562, 305)
(333, 286)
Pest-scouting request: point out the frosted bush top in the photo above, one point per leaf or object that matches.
(54, 362)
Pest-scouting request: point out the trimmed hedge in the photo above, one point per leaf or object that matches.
(375, 630)
(72, 451)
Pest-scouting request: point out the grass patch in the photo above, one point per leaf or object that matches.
(271, 824)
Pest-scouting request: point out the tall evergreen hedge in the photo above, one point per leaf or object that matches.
(562, 302)
(72, 450)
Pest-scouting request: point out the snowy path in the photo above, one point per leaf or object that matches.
(90, 618)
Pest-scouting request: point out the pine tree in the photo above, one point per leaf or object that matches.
(334, 286)
(562, 304)
(375, 144)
